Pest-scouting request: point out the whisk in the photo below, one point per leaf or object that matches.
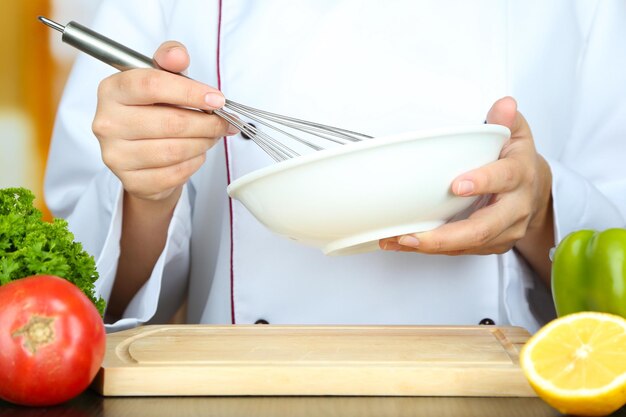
(124, 58)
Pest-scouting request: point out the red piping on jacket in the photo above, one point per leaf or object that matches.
(230, 201)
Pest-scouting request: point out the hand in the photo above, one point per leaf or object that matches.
(151, 144)
(520, 187)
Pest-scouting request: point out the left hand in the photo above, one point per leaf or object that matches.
(520, 186)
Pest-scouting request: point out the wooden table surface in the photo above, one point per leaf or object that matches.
(91, 404)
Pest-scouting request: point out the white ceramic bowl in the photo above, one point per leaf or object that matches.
(343, 200)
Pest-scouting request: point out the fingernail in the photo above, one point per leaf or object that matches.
(390, 246)
(411, 241)
(232, 130)
(393, 247)
(174, 49)
(214, 100)
(465, 188)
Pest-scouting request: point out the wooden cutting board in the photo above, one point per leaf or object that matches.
(314, 360)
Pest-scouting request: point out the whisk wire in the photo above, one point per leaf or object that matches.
(250, 115)
(299, 124)
(276, 149)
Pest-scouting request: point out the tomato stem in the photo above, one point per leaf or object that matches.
(38, 332)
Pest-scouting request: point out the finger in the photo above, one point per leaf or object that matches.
(501, 244)
(151, 86)
(500, 176)
(504, 112)
(125, 155)
(396, 247)
(156, 122)
(172, 56)
(477, 231)
(153, 181)
(391, 245)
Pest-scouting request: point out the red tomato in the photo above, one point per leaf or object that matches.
(52, 341)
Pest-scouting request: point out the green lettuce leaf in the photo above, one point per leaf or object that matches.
(31, 246)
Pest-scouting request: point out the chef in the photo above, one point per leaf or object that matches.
(142, 182)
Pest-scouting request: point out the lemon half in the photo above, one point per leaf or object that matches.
(577, 363)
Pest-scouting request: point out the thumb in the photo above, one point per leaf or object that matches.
(503, 112)
(172, 56)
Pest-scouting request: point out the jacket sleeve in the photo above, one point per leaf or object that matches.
(581, 133)
(80, 188)
(589, 177)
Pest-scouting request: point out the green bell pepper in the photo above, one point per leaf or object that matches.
(589, 272)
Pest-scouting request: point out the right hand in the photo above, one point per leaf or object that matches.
(151, 144)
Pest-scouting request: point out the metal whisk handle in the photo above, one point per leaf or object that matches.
(123, 58)
(100, 47)
(106, 49)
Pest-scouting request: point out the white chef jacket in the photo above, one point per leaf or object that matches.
(371, 66)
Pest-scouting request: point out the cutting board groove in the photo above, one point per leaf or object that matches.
(314, 360)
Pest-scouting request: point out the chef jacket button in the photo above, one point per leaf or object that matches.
(261, 321)
(487, 322)
(244, 134)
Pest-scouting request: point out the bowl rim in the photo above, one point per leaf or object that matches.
(375, 142)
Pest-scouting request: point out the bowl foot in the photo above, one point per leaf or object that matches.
(368, 242)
